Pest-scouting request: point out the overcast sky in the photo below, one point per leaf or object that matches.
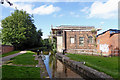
(99, 13)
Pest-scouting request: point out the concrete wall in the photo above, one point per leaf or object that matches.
(6, 48)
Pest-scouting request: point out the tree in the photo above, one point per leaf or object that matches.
(19, 30)
(47, 44)
(94, 31)
(39, 41)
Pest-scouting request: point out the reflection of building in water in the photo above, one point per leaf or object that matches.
(63, 72)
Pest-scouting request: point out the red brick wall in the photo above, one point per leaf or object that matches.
(109, 43)
(115, 44)
(7, 48)
(78, 34)
(103, 40)
(75, 47)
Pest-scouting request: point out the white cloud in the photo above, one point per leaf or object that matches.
(55, 0)
(25, 7)
(104, 10)
(41, 10)
(85, 9)
(60, 15)
(101, 22)
(74, 14)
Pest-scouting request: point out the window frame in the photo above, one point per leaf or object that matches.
(81, 41)
(90, 40)
(72, 40)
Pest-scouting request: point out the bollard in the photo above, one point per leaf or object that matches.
(63, 51)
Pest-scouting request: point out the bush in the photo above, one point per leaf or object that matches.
(40, 48)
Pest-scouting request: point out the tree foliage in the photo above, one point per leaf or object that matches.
(19, 30)
(47, 44)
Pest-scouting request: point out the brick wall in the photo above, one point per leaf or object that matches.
(115, 44)
(75, 47)
(6, 48)
(103, 42)
(79, 34)
(107, 45)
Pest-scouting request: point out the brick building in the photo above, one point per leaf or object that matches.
(75, 39)
(108, 42)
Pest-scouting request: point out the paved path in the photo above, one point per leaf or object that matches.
(7, 58)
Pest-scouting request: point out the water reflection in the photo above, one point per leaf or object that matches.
(57, 69)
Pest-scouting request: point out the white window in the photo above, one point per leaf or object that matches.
(71, 40)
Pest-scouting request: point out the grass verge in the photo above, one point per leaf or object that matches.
(10, 53)
(20, 72)
(108, 65)
(25, 59)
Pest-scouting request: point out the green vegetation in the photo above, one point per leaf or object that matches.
(108, 65)
(10, 71)
(25, 59)
(47, 44)
(20, 72)
(19, 30)
(10, 53)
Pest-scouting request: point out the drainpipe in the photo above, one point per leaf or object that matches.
(75, 43)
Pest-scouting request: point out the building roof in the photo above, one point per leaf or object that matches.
(73, 27)
(112, 31)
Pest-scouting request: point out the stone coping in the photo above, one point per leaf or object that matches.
(80, 68)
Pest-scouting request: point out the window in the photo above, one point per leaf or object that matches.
(90, 39)
(81, 41)
(71, 40)
(98, 41)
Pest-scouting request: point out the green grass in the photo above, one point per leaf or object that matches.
(25, 59)
(10, 53)
(20, 72)
(108, 65)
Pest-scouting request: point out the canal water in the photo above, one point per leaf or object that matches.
(57, 69)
